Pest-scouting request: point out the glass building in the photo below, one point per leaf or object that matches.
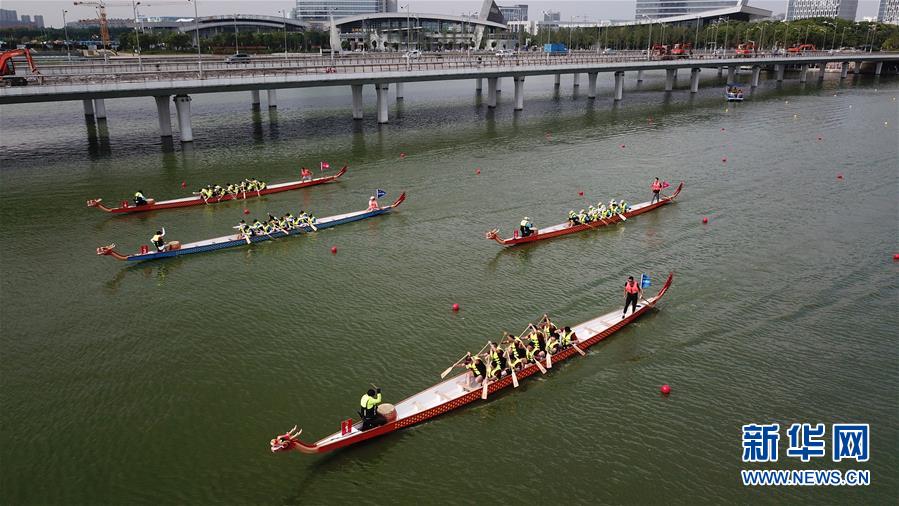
(320, 10)
(653, 9)
(514, 12)
(804, 9)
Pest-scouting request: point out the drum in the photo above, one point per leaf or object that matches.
(387, 412)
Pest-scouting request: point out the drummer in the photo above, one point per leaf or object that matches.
(369, 411)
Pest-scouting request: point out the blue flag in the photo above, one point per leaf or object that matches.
(644, 281)
(380, 193)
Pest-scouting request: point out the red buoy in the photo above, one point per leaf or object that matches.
(722, 129)
(839, 175)
(455, 307)
(246, 211)
(183, 184)
(402, 155)
(896, 257)
(819, 137)
(477, 171)
(705, 220)
(724, 160)
(665, 389)
(580, 194)
(623, 146)
(333, 250)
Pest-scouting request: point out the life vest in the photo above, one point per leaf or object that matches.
(632, 288)
(473, 367)
(566, 338)
(535, 340)
(525, 224)
(370, 405)
(157, 240)
(139, 195)
(656, 186)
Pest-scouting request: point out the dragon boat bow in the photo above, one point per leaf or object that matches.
(567, 228)
(232, 241)
(152, 205)
(455, 392)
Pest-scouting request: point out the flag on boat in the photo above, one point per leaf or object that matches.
(324, 165)
(380, 193)
(644, 281)
(665, 184)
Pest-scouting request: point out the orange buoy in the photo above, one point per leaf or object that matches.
(455, 307)
(666, 389)
(333, 250)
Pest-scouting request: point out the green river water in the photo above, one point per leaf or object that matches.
(163, 383)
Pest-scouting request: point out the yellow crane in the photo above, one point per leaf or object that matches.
(100, 5)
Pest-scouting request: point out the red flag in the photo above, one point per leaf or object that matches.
(665, 184)
(324, 165)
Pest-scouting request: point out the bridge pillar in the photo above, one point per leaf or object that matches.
(803, 73)
(669, 79)
(499, 83)
(720, 70)
(639, 76)
(519, 93)
(254, 101)
(165, 115)
(399, 91)
(844, 70)
(591, 84)
(731, 73)
(381, 89)
(822, 67)
(272, 99)
(756, 72)
(877, 68)
(357, 100)
(491, 92)
(100, 108)
(182, 107)
(858, 67)
(88, 108)
(779, 69)
(557, 80)
(576, 80)
(694, 80)
(619, 85)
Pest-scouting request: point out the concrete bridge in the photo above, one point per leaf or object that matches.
(93, 84)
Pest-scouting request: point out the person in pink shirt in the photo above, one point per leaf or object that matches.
(656, 189)
(373, 204)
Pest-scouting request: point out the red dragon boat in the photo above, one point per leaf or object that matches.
(567, 228)
(126, 206)
(455, 392)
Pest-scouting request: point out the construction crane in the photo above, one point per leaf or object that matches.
(101, 5)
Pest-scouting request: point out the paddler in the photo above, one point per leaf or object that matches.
(632, 293)
(369, 411)
(623, 207)
(244, 228)
(498, 362)
(516, 354)
(139, 199)
(477, 369)
(656, 187)
(373, 204)
(526, 228)
(572, 218)
(305, 173)
(568, 337)
(158, 241)
(582, 216)
(258, 227)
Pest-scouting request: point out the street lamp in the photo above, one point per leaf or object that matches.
(65, 29)
(284, 19)
(843, 35)
(134, 5)
(197, 26)
(408, 29)
(236, 44)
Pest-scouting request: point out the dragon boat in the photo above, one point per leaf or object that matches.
(126, 206)
(567, 228)
(455, 392)
(175, 248)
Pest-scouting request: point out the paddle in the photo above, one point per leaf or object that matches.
(549, 359)
(539, 365)
(309, 221)
(484, 389)
(578, 349)
(514, 377)
(450, 368)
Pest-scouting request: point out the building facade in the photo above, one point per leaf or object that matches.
(654, 9)
(889, 12)
(804, 9)
(514, 12)
(427, 32)
(552, 16)
(321, 10)
(39, 21)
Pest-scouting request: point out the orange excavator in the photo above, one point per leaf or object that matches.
(746, 49)
(8, 69)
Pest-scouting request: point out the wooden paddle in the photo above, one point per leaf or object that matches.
(621, 216)
(539, 365)
(578, 349)
(450, 368)
(549, 359)
(484, 389)
(514, 377)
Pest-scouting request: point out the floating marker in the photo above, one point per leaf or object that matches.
(455, 308)
(402, 155)
(704, 220)
(724, 160)
(896, 257)
(580, 194)
(787, 101)
(819, 137)
(246, 211)
(623, 146)
(795, 116)
(183, 184)
(839, 175)
(722, 129)
(333, 250)
(665, 389)
(477, 171)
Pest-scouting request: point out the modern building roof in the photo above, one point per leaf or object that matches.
(402, 15)
(740, 11)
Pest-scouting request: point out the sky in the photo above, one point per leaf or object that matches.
(591, 9)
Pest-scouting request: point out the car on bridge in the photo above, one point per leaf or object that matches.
(238, 58)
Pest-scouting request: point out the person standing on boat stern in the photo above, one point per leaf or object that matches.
(656, 189)
(369, 411)
(632, 293)
(526, 228)
(158, 241)
(139, 199)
